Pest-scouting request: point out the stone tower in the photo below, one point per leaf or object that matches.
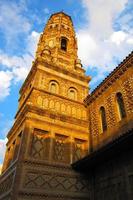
(51, 125)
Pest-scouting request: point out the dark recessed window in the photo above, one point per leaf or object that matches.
(121, 107)
(64, 44)
(103, 119)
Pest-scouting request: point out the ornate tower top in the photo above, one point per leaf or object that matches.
(58, 43)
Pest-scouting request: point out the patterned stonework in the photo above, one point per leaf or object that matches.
(128, 91)
(53, 182)
(93, 122)
(39, 145)
(67, 108)
(57, 125)
(6, 184)
(79, 149)
(60, 148)
(111, 118)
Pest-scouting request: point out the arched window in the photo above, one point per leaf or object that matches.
(103, 119)
(54, 87)
(64, 44)
(120, 105)
(72, 93)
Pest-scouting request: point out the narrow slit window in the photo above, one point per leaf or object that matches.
(103, 119)
(120, 105)
(64, 44)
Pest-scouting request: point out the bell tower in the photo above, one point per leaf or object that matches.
(58, 43)
(51, 125)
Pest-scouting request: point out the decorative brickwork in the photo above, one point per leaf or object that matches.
(55, 182)
(57, 125)
(39, 145)
(6, 184)
(79, 149)
(60, 148)
(93, 122)
(128, 91)
(111, 118)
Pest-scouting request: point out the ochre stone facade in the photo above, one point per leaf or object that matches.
(51, 127)
(57, 124)
(120, 81)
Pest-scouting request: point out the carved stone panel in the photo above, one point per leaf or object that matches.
(6, 184)
(61, 148)
(79, 149)
(58, 183)
(40, 144)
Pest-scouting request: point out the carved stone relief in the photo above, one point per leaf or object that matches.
(79, 149)
(55, 182)
(60, 148)
(64, 108)
(39, 145)
(64, 85)
(6, 184)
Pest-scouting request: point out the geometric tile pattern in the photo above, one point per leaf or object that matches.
(39, 145)
(60, 147)
(78, 149)
(55, 182)
(6, 184)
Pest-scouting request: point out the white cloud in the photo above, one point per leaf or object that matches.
(14, 24)
(118, 37)
(2, 149)
(12, 21)
(101, 47)
(17, 67)
(101, 15)
(130, 40)
(5, 125)
(5, 83)
(32, 42)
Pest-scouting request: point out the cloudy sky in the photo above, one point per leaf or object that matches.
(105, 37)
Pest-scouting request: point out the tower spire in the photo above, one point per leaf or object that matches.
(58, 43)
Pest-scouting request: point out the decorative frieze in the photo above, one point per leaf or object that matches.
(55, 182)
(56, 105)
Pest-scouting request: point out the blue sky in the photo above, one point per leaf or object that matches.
(105, 36)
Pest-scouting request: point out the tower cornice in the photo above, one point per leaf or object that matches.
(61, 12)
